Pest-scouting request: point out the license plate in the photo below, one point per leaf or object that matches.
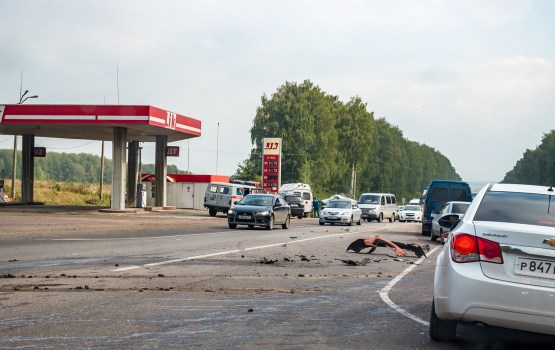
(244, 217)
(535, 267)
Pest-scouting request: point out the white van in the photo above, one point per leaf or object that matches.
(378, 206)
(301, 190)
(220, 196)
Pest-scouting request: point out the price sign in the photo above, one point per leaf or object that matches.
(39, 151)
(271, 165)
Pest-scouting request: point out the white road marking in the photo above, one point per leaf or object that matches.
(134, 267)
(385, 290)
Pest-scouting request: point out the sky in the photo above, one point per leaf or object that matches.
(473, 79)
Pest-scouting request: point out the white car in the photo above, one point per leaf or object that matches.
(410, 213)
(341, 211)
(497, 267)
(456, 208)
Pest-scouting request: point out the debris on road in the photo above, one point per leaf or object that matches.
(267, 261)
(378, 241)
(355, 263)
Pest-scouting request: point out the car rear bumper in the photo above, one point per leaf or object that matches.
(335, 220)
(463, 293)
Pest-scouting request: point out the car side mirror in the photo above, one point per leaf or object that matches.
(445, 222)
(235, 203)
(278, 204)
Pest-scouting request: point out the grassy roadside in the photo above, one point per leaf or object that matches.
(64, 193)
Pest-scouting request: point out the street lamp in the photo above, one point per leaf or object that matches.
(21, 100)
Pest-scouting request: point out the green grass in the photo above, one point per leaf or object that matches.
(64, 193)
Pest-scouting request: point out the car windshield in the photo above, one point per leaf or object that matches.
(262, 201)
(459, 207)
(340, 204)
(369, 199)
(517, 208)
(412, 207)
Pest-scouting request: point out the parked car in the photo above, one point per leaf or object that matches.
(297, 205)
(410, 213)
(378, 206)
(301, 190)
(448, 209)
(264, 210)
(341, 211)
(439, 192)
(497, 266)
(324, 202)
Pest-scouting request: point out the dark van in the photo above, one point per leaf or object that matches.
(439, 192)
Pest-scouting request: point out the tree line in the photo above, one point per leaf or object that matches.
(536, 167)
(69, 167)
(335, 146)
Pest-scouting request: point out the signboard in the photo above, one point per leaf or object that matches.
(39, 151)
(172, 151)
(271, 165)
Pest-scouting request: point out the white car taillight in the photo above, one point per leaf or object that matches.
(468, 248)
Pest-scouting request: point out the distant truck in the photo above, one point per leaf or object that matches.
(302, 190)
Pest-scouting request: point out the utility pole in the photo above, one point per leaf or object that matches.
(14, 156)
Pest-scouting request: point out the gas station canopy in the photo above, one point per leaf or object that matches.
(96, 122)
(121, 124)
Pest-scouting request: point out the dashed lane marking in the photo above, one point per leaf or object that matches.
(296, 241)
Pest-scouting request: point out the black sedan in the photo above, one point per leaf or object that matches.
(297, 205)
(264, 210)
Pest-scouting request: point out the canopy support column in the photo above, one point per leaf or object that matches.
(27, 169)
(118, 176)
(160, 168)
(132, 172)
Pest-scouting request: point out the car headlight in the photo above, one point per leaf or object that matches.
(263, 213)
(230, 211)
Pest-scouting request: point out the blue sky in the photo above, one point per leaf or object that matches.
(472, 79)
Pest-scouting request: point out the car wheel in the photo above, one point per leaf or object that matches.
(321, 223)
(433, 237)
(300, 216)
(212, 212)
(271, 223)
(232, 225)
(380, 217)
(251, 226)
(368, 219)
(351, 222)
(441, 330)
(286, 223)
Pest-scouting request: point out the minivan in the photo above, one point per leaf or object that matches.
(438, 193)
(378, 206)
(221, 196)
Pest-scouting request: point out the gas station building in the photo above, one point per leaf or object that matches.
(121, 124)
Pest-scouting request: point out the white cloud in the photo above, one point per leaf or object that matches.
(472, 79)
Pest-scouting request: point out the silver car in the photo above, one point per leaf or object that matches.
(341, 211)
(449, 209)
(497, 267)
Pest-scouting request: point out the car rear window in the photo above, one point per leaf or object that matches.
(517, 208)
(458, 194)
(459, 208)
(293, 199)
(439, 194)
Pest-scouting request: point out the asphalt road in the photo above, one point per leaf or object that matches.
(80, 279)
